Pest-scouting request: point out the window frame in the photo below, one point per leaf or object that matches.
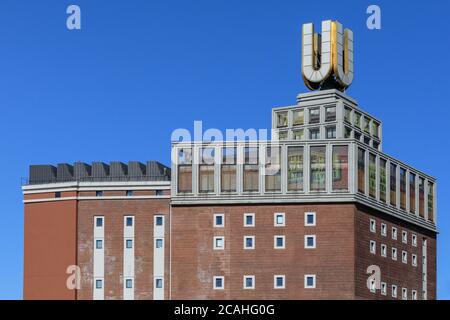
(253, 220)
(245, 243)
(314, 285)
(216, 215)
(275, 243)
(313, 214)
(215, 238)
(275, 222)
(373, 247)
(404, 256)
(383, 250)
(215, 287)
(384, 229)
(373, 225)
(394, 291)
(313, 236)
(394, 253)
(394, 233)
(275, 284)
(244, 284)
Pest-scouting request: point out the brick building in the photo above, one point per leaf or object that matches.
(301, 216)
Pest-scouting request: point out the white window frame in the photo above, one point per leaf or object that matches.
(414, 294)
(404, 294)
(384, 229)
(394, 233)
(126, 282)
(306, 281)
(394, 256)
(383, 288)
(245, 219)
(275, 222)
(373, 247)
(155, 217)
(275, 246)
(156, 281)
(244, 283)
(414, 240)
(223, 283)
(306, 241)
(394, 291)
(306, 219)
(245, 242)
(404, 256)
(125, 221)
(373, 286)
(373, 225)
(383, 250)
(405, 237)
(414, 260)
(275, 286)
(215, 220)
(215, 241)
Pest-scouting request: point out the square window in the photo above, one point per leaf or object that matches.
(383, 288)
(99, 222)
(129, 283)
(373, 247)
(129, 221)
(310, 281)
(249, 220)
(99, 244)
(279, 219)
(314, 134)
(373, 226)
(404, 294)
(414, 260)
(249, 242)
(57, 194)
(404, 237)
(159, 243)
(249, 282)
(404, 257)
(129, 244)
(129, 193)
(99, 193)
(394, 233)
(278, 282)
(219, 283)
(383, 250)
(414, 240)
(310, 219)
(219, 243)
(279, 242)
(394, 254)
(98, 284)
(159, 220)
(394, 291)
(314, 115)
(331, 132)
(158, 283)
(383, 229)
(219, 220)
(310, 242)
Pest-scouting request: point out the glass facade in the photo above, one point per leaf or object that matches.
(314, 115)
(185, 170)
(228, 170)
(331, 132)
(206, 170)
(361, 171)
(357, 120)
(282, 119)
(317, 168)
(372, 175)
(340, 168)
(314, 134)
(393, 184)
(272, 172)
(412, 193)
(347, 114)
(298, 134)
(298, 117)
(430, 201)
(295, 169)
(383, 180)
(403, 188)
(422, 197)
(330, 114)
(251, 169)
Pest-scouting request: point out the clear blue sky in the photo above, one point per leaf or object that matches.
(139, 69)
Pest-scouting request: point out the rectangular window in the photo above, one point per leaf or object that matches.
(375, 129)
(219, 220)
(404, 294)
(403, 188)
(295, 168)
(383, 229)
(347, 133)
(373, 247)
(298, 134)
(383, 288)
(129, 244)
(404, 257)
(98, 284)
(251, 169)
(330, 114)
(310, 242)
(373, 225)
(310, 219)
(372, 286)
(430, 201)
(57, 194)
(414, 260)
(129, 283)
(361, 170)
(372, 175)
(249, 242)
(278, 282)
(159, 220)
(394, 233)
(314, 115)
(383, 250)
(272, 172)
(422, 197)
(278, 242)
(340, 168)
(357, 120)
(331, 132)
(129, 221)
(314, 133)
(317, 160)
(249, 220)
(129, 193)
(357, 136)
(412, 193)
(405, 237)
(414, 295)
(185, 170)
(228, 170)
(99, 193)
(347, 114)
(394, 291)
(218, 283)
(394, 254)
(298, 117)
(282, 119)
(158, 243)
(310, 281)
(99, 222)
(414, 239)
(219, 243)
(249, 282)
(206, 170)
(393, 180)
(278, 219)
(99, 244)
(159, 283)
(282, 135)
(367, 125)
